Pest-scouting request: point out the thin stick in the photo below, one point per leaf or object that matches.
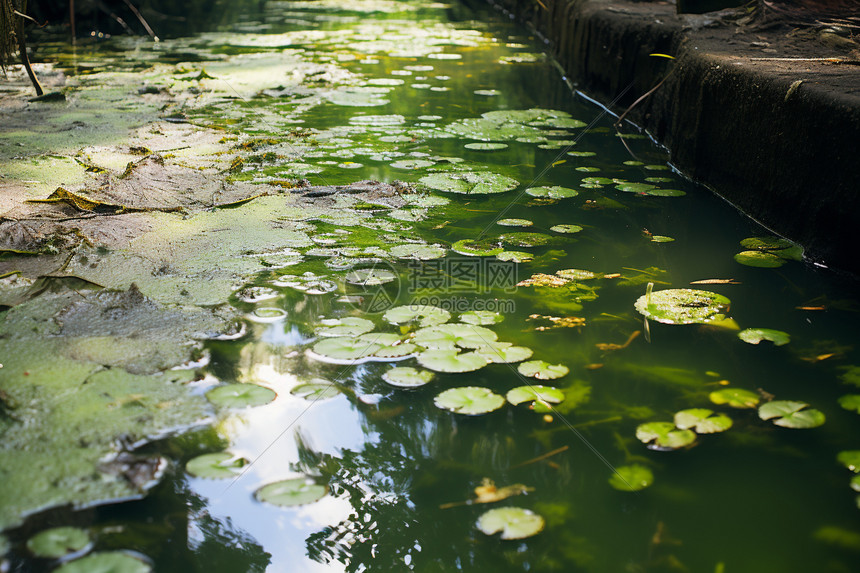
(642, 97)
(141, 19)
(72, 22)
(22, 51)
(542, 457)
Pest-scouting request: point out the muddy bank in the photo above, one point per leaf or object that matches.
(775, 137)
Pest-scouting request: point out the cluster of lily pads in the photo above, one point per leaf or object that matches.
(72, 546)
(768, 252)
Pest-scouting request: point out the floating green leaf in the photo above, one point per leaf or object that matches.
(515, 256)
(566, 229)
(514, 222)
(469, 182)
(553, 192)
(370, 277)
(759, 259)
(58, 542)
(347, 326)
(291, 492)
(407, 377)
(417, 251)
(469, 400)
(504, 353)
(344, 349)
(664, 436)
(702, 421)
(442, 360)
(424, 315)
(105, 562)
(481, 317)
(472, 248)
(485, 146)
(634, 477)
(635, 187)
(735, 398)
(576, 274)
(218, 465)
(756, 335)
(522, 239)
(542, 370)
(240, 395)
(682, 306)
(850, 402)
(316, 389)
(850, 459)
(512, 522)
(661, 239)
(449, 336)
(544, 395)
(789, 414)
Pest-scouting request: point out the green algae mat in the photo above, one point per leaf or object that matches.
(296, 293)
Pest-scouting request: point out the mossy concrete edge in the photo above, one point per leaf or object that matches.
(783, 152)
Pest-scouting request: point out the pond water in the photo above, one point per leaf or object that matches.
(596, 220)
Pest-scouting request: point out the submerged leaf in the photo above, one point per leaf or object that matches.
(512, 522)
(469, 400)
(634, 477)
(850, 402)
(106, 562)
(58, 542)
(735, 397)
(291, 492)
(756, 335)
(664, 436)
(790, 414)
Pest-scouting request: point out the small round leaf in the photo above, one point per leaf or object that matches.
(469, 400)
(542, 370)
(218, 465)
(58, 542)
(634, 477)
(291, 492)
(512, 522)
(240, 395)
(789, 414)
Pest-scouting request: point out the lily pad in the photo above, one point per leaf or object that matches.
(485, 146)
(756, 335)
(370, 277)
(515, 256)
(106, 562)
(542, 370)
(347, 326)
(535, 394)
(469, 400)
(664, 436)
(850, 402)
(397, 351)
(469, 182)
(240, 395)
(850, 459)
(735, 398)
(661, 239)
(759, 259)
(218, 465)
(782, 248)
(504, 353)
(682, 306)
(291, 492)
(512, 522)
(424, 315)
(316, 389)
(344, 349)
(441, 360)
(789, 414)
(520, 239)
(472, 248)
(634, 477)
(58, 542)
(481, 317)
(407, 377)
(417, 251)
(577, 274)
(702, 421)
(552, 192)
(514, 222)
(449, 336)
(566, 229)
